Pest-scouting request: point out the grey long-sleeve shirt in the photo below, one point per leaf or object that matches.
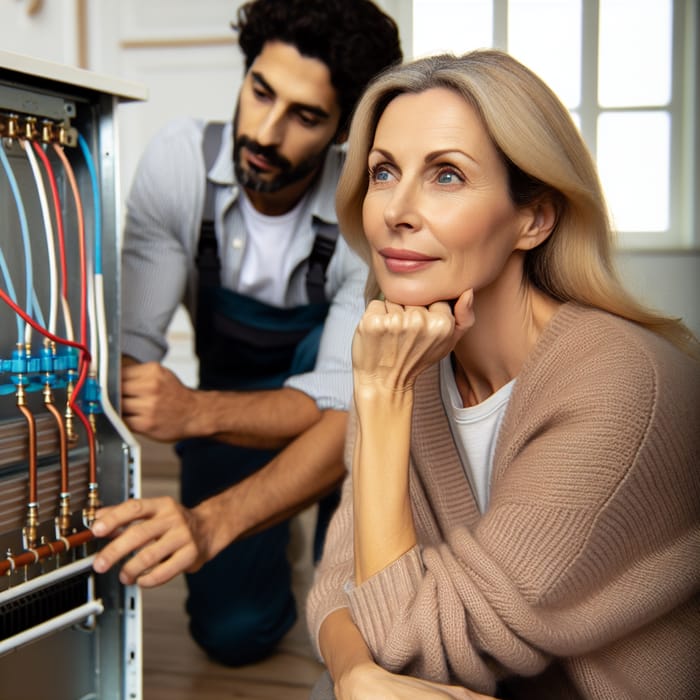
(163, 218)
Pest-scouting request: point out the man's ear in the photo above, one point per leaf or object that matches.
(341, 136)
(539, 221)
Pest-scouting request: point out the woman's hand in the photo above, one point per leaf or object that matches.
(393, 344)
(371, 682)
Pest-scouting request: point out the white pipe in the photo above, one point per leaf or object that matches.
(55, 624)
(103, 376)
(46, 579)
(48, 228)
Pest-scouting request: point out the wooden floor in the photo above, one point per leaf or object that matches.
(173, 666)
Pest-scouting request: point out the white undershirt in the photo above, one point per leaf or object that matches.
(474, 429)
(266, 266)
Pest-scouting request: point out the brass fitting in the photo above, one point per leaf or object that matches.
(13, 126)
(30, 130)
(47, 132)
(93, 503)
(71, 435)
(21, 395)
(63, 524)
(29, 532)
(67, 135)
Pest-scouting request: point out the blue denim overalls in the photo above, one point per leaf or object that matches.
(240, 604)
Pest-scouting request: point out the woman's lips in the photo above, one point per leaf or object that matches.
(402, 260)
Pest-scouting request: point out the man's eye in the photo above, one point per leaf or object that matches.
(308, 120)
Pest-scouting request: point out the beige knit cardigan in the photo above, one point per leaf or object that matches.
(581, 579)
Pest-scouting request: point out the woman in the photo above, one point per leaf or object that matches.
(522, 515)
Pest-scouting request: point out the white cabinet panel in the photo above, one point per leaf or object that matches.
(197, 81)
(46, 30)
(141, 20)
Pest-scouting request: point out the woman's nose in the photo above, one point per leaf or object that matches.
(402, 209)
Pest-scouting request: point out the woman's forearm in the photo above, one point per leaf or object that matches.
(392, 346)
(383, 521)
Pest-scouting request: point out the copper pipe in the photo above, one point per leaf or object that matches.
(44, 551)
(63, 520)
(93, 502)
(31, 426)
(62, 440)
(92, 457)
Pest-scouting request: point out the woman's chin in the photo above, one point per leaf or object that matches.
(414, 299)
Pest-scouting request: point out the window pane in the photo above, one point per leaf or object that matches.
(577, 119)
(634, 53)
(453, 26)
(546, 36)
(633, 160)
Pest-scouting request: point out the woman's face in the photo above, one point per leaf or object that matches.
(437, 213)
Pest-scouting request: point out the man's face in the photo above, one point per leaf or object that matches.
(286, 118)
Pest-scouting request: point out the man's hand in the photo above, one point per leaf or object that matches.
(167, 539)
(157, 404)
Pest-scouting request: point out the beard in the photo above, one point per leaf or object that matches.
(251, 178)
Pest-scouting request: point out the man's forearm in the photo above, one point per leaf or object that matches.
(306, 470)
(261, 419)
(157, 404)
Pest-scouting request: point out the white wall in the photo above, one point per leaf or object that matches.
(665, 280)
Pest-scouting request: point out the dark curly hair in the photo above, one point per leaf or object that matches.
(354, 38)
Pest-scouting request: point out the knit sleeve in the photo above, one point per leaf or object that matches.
(334, 572)
(590, 538)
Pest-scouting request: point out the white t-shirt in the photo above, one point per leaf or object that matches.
(266, 265)
(474, 429)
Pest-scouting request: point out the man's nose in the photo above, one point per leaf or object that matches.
(271, 128)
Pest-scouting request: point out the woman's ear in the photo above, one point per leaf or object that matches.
(540, 218)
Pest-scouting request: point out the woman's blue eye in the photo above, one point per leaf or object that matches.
(447, 177)
(379, 174)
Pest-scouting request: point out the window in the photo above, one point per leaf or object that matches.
(626, 71)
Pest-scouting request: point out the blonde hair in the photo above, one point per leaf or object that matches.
(546, 158)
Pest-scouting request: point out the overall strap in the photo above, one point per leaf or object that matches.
(321, 253)
(207, 259)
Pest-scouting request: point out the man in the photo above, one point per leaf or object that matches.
(274, 294)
